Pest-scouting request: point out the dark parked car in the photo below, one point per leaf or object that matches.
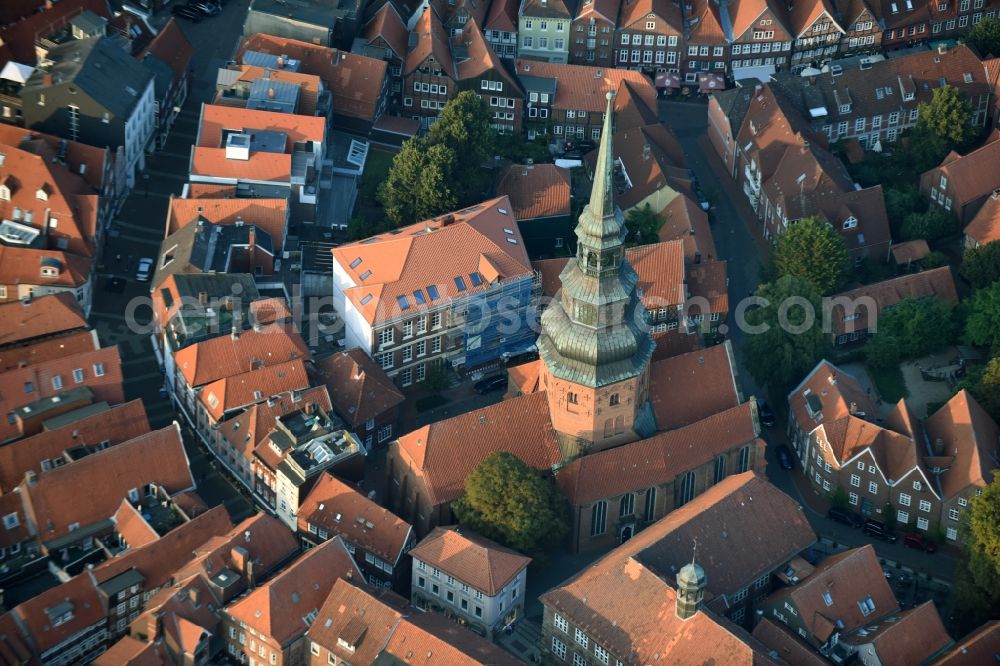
(844, 517)
(879, 531)
(205, 7)
(185, 12)
(920, 542)
(766, 414)
(784, 456)
(490, 384)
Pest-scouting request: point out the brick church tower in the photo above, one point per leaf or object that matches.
(595, 344)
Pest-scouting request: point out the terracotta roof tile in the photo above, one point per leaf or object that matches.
(340, 509)
(475, 560)
(117, 425)
(156, 457)
(428, 639)
(657, 459)
(973, 175)
(503, 16)
(211, 191)
(804, 14)
(359, 388)
(849, 577)
(271, 215)
(913, 637)
(474, 57)
(631, 611)
(362, 617)
(355, 81)
(278, 607)
(19, 38)
(172, 47)
(584, 88)
(11, 503)
(89, 161)
(708, 28)
(14, 647)
(745, 12)
(220, 357)
(388, 25)
(785, 645)
(266, 540)
(937, 282)
(247, 430)
(834, 395)
(524, 376)
(673, 343)
(910, 251)
(22, 266)
(129, 651)
(309, 85)
(215, 119)
(636, 10)
(969, 436)
(261, 166)
(985, 226)
(432, 41)
(87, 611)
(670, 382)
(394, 265)
(547, 8)
(39, 317)
(48, 349)
(977, 648)
(38, 381)
(132, 527)
(445, 453)
(709, 280)
(684, 220)
(253, 386)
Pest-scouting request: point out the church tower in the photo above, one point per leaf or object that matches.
(690, 588)
(595, 344)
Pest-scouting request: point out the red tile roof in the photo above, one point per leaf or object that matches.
(48, 349)
(19, 38)
(278, 607)
(43, 378)
(87, 611)
(432, 41)
(785, 645)
(684, 220)
(356, 81)
(266, 540)
(395, 265)
(10, 503)
(216, 118)
(975, 649)
(359, 388)
(910, 251)
(157, 457)
(444, 453)
(969, 438)
(636, 10)
(985, 226)
(22, 266)
(309, 85)
(535, 191)
(88, 161)
(271, 215)
(338, 508)
(253, 386)
(503, 16)
(937, 282)
(584, 88)
(132, 527)
(474, 560)
(709, 281)
(474, 57)
(117, 425)
(39, 317)
(361, 617)
(270, 167)
(389, 25)
(429, 639)
(525, 376)
(172, 47)
(804, 14)
(838, 394)
(129, 651)
(657, 459)
(914, 636)
(670, 381)
(249, 428)
(216, 358)
(972, 175)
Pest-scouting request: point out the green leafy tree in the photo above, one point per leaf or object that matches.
(359, 227)
(420, 182)
(978, 580)
(933, 259)
(437, 378)
(985, 387)
(981, 265)
(510, 502)
(931, 225)
(812, 250)
(901, 202)
(985, 37)
(914, 327)
(793, 341)
(947, 115)
(464, 127)
(643, 225)
(982, 327)
(839, 499)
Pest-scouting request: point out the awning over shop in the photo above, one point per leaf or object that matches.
(707, 82)
(668, 80)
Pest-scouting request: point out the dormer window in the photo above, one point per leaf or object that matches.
(4, 193)
(845, 108)
(851, 222)
(42, 193)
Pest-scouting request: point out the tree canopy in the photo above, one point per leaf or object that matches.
(643, 225)
(933, 224)
(783, 354)
(982, 327)
(812, 250)
(985, 37)
(978, 579)
(508, 501)
(985, 387)
(443, 170)
(914, 327)
(947, 115)
(981, 265)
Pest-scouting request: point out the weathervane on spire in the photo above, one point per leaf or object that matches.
(694, 553)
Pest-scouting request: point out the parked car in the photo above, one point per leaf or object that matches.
(784, 456)
(144, 270)
(919, 542)
(879, 531)
(844, 517)
(766, 414)
(490, 384)
(205, 7)
(185, 12)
